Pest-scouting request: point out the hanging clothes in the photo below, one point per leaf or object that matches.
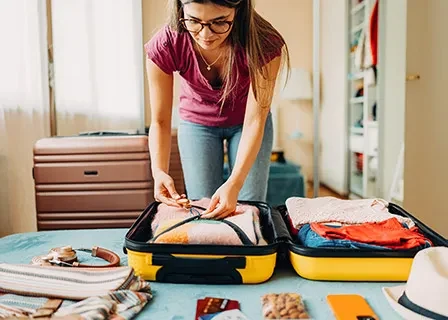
(373, 32)
(366, 53)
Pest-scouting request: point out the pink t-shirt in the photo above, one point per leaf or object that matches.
(200, 103)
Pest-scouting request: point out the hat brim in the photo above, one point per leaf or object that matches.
(392, 295)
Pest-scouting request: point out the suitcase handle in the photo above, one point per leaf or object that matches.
(105, 133)
(198, 270)
(90, 172)
(161, 259)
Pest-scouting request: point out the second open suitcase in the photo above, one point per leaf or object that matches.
(341, 264)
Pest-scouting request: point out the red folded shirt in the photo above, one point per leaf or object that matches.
(389, 233)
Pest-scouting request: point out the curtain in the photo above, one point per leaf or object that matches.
(98, 65)
(24, 105)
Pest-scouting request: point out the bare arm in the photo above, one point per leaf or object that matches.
(161, 100)
(250, 143)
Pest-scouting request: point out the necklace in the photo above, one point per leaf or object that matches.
(209, 66)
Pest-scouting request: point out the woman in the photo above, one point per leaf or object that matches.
(228, 58)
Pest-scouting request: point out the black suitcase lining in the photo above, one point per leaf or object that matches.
(273, 232)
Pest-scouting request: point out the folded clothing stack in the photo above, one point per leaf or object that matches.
(181, 226)
(355, 224)
(31, 291)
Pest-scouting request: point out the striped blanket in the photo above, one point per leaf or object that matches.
(112, 293)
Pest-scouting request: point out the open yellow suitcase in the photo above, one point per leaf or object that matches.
(340, 264)
(218, 264)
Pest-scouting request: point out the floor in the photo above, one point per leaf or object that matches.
(323, 192)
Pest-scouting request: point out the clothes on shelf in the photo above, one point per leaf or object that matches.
(181, 226)
(332, 209)
(365, 47)
(366, 51)
(373, 32)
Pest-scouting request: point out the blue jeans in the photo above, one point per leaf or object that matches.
(202, 155)
(311, 239)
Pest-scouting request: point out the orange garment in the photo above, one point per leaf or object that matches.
(389, 233)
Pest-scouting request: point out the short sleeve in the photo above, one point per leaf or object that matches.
(160, 49)
(273, 48)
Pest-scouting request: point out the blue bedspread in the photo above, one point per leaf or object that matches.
(178, 301)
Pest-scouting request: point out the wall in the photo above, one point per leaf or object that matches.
(426, 154)
(293, 18)
(333, 117)
(154, 15)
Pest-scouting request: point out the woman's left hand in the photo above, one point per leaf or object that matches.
(223, 202)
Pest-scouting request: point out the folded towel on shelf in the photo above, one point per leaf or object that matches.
(389, 233)
(180, 226)
(331, 209)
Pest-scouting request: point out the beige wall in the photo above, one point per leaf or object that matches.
(293, 18)
(426, 147)
(154, 15)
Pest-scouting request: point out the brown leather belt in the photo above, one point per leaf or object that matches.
(67, 257)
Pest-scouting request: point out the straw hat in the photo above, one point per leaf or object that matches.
(425, 295)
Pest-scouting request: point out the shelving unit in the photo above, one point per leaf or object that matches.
(362, 99)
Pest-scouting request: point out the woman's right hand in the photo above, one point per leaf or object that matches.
(164, 190)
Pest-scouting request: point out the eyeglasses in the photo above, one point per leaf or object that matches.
(195, 26)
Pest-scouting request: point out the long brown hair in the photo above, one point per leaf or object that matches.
(255, 35)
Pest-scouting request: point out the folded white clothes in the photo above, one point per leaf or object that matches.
(331, 209)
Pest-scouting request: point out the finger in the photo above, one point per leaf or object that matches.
(212, 205)
(227, 212)
(168, 201)
(172, 190)
(216, 212)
